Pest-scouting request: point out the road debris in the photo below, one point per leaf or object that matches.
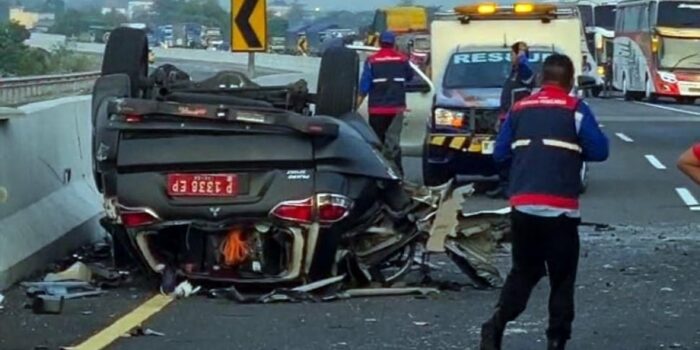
(185, 290)
(47, 304)
(66, 290)
(2, 298)
(76, 272)
(420, 324)
(140, 332)
(667, 289)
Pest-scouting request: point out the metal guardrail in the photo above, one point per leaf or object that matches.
(15, 91)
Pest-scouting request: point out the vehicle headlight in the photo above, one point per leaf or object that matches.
(601, 70)
(448, 117)
(668, 77)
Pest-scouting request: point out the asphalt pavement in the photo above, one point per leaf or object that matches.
(637, 286)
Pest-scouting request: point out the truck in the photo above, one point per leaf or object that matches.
(399, 20)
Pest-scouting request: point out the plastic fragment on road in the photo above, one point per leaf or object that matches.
(667, 289)
(66, 289)
(140, 332)
(76, 272)
(420, 324)
(185, 290)
(319, 284)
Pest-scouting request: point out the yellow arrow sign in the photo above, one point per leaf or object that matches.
(248, 25)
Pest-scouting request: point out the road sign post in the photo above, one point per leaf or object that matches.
(249, 29)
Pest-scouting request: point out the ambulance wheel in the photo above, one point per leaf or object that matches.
(338, 76)
(126, 52)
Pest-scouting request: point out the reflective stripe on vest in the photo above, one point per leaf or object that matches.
(562, 144)
(548, 142)
(384, 80)
(520, 143)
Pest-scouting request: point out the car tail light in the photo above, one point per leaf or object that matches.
(332, 207)
(133, 118)
(138, 218)
(327, 208)
(296, 211)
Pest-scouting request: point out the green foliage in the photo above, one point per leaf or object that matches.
(277, 26)
(20, 60)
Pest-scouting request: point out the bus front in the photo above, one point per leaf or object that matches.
(676, 44)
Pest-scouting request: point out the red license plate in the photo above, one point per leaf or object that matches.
(203, 185)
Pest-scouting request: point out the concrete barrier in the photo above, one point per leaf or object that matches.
(49, 205)
(16, 91)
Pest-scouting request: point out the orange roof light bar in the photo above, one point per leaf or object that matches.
(524, 8)
(486, 9)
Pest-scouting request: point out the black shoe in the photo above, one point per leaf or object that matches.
(556, 344)
(491, 336)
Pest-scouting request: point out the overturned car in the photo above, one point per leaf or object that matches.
(225, 180)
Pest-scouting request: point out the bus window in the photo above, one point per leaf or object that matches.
(605, 16)
(679, 14)
(620, 19)
(643, 19)
(652, 13)
(631, 23)
(586, 15)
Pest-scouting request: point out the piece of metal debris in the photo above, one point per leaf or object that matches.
(47, 304)
(667, 289)
(319, 284)
(379, 292)
(140, 332)
(76, 272)
(420, 324)
(66, 290)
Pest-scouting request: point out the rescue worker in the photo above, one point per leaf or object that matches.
(384, 79)
(689, 163)
(547, 136)
(518, 86)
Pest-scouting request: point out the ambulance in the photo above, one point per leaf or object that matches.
(470, 49)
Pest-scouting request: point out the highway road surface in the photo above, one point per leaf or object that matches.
(637, 290)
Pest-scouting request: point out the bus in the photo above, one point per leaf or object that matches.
(599, 22)
(657, 49)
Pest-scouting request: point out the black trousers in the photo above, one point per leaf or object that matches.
(542, 246)
(380, 124)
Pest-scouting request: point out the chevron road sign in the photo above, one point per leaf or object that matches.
(248, 25)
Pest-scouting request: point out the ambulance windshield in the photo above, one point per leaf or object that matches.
(484, 69)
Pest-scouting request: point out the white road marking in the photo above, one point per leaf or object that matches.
(623, 137)
(696, 208)
(655, 162)
(651, 119)
(672, 109)
(687, 197)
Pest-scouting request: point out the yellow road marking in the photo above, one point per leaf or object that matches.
(437, 140)
(128, 322)
(457, 142)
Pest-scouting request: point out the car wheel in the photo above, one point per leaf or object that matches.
(434, 175)
(126, 52)
(628, 95)
(686, 100)
(336, 93)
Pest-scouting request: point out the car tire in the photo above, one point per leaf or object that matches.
(336, 93)
(686, 100)
(434, 175)
(629, 96)
(126, 52)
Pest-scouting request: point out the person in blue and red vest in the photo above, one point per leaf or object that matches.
(384, 79)
(547, 136)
